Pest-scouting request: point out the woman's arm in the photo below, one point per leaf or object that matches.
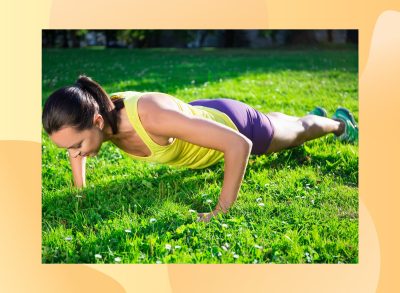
(78, 166)
(166, 120)
(236, 159)
(234, 170)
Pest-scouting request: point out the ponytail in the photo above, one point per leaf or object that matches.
(107, 108)
(76, 105)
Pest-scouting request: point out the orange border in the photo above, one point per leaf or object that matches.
(20, 156)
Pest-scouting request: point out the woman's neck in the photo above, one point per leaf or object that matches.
(124, 127)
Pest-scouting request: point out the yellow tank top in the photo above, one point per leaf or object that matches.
(179, 153)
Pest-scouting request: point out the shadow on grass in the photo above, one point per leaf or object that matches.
(102, 209)
(326, 163)
(146, 194)
(141, 195)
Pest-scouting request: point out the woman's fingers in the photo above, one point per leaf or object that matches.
(200, 216)
(204, 217)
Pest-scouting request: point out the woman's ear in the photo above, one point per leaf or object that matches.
(98, 121)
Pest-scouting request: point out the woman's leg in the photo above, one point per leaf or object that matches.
(290, 131)
(283, 116)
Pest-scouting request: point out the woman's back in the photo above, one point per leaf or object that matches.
(178, 153)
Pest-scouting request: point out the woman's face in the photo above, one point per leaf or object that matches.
(79, 143)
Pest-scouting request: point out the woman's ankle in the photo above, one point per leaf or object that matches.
(341, 129)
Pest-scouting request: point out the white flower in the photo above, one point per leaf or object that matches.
(152, 220)
(224, 225)
(192, 211)
(259, 199)
(117, 259)
(261, 204)
(236, 256)
(224, 248)
(128, 231)
(208, 201)
(227, 245)
(168, 246)
(219, 253)
(308, 257)
(255, 261)
(69, 238)
(228, 235)
(158, 262)
(258, 246)
(98, 256)
(177, 246)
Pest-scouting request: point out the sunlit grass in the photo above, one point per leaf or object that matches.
(298, 206)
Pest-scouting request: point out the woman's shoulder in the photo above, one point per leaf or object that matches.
(151, 108)
(156, 101)
(148, 105)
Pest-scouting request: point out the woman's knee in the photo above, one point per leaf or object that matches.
(301, 136)
(274, 114)
(309, 127)
(286, 134)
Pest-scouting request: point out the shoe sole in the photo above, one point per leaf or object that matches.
(352, 120)
(349, 114)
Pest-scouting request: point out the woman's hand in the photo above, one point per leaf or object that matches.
(204, 217)
(78, 167)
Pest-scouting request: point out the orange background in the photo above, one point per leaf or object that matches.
(20, 152)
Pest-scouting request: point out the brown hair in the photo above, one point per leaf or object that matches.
(76, 105)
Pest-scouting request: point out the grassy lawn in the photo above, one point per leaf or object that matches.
(298, 206)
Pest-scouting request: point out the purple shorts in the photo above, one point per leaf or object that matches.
(253, 124)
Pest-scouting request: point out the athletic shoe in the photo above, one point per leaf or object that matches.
(350, 133)
(319, 111)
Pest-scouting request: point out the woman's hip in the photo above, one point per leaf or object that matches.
(253, 124)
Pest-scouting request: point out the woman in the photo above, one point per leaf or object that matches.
(157, 127)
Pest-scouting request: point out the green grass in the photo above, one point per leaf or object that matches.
(309, 193)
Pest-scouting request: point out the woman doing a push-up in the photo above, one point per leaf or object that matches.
(158, 127)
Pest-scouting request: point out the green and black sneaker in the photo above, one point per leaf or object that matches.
(350, 133)
(319, 111)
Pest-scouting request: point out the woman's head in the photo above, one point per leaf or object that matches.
(83, 143)
(79, 112)
(76, 106)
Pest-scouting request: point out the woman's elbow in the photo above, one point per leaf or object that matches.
(240, 144)
(246, 144)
